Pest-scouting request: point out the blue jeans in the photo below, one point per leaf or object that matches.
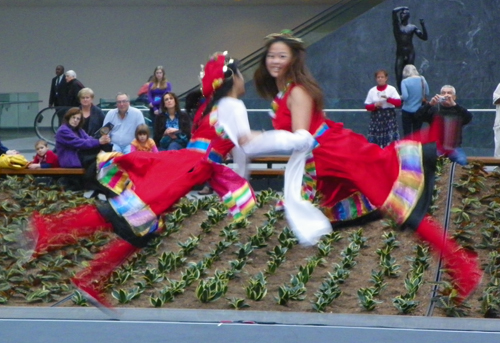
(166, 143)
(123, 149)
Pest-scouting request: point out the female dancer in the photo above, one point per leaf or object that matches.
(398, 179)
(133, 213)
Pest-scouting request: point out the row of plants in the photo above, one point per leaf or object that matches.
(205, 256)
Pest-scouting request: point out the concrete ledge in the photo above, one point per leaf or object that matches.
(253, 317)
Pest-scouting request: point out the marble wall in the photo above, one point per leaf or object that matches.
(461, 51)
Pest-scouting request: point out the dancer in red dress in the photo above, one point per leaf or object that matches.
(398, 179)
(133, 214)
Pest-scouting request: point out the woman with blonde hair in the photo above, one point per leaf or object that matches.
(93, 117)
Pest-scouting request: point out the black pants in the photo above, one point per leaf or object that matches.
(410, 123)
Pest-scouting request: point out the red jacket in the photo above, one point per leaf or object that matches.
(50, 160)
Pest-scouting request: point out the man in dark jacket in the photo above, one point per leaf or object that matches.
(73, 86)
(453, 117)
(57, 87)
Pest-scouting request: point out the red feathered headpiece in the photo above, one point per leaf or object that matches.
(212, 76)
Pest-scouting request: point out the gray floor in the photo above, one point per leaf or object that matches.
(161, 325)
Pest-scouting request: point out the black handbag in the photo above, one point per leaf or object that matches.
(421, 112)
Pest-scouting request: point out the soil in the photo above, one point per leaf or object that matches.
(348, 302)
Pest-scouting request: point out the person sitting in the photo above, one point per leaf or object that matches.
(448, 118)
(124, 120)
(44, 157)
(174, 129)
(72, 142)
(142, 142)
(92, 115)
(142, 94)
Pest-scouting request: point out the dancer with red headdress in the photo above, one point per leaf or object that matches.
(133, 214)
(398, 180)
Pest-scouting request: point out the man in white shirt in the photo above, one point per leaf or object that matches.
(125, 120)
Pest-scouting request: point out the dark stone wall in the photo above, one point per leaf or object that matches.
(461, 51)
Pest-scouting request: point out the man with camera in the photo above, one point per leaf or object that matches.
(447, 118)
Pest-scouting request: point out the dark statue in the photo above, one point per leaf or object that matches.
(403, 32)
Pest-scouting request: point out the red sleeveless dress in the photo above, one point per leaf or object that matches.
(395, 179)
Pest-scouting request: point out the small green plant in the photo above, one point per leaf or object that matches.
(324, 249)
(244, 250)
(78, 299)
(256, 288)
(378, 280)
(358, 239)
(189, 245)
(405, 304)
(283, 296)
(448, 301)
(175, 286)
(125, 297)
(390, 240)
(152, 276)
(166, 295)
(366, 299)
(211, 289)
(237, 303)
(332, 237)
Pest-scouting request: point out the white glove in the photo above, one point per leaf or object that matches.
(278, 141)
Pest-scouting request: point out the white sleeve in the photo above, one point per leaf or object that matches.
(370, 97)
(279, 141)
(232, 116)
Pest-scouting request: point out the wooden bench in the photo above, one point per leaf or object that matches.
(486, 160)
(268, 171)
(43, 171)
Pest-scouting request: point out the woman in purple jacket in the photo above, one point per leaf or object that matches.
(72, 140)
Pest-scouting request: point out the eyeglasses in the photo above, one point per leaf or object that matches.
(122, 101)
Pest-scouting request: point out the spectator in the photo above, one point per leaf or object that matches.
(142, 94)
(448, 118)
(142, 142)
(125, 120)
(92, 115)
(496, 125)
(73, 86)
(72, 142)
(157, 88)
(7, 151)
(44, 157)
(414, 90)
(174, 125)
(57, 87)
(381, 101)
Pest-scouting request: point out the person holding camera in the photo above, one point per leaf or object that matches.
(447, 118)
